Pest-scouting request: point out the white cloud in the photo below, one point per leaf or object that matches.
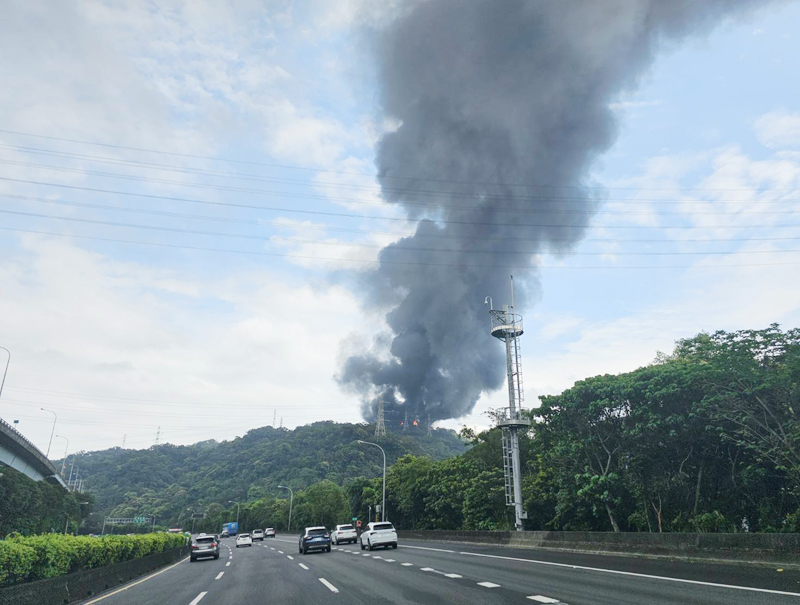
(779, 129)
(80, 322)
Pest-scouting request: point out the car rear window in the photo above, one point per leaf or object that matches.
(317, 532)
(382, 526)
(244, 535)
(345, 527)
(205, 539)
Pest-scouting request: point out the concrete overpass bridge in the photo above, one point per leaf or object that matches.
(20, 454)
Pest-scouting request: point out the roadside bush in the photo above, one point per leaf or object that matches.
(16, 562)
(27, 558)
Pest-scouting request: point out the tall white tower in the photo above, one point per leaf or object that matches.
(507, 327)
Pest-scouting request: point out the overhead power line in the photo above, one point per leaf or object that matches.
(399, 234)
(375, 188)
(393, 248)
(352, 173)
(366, 216)
(390, 262)
(437, 207)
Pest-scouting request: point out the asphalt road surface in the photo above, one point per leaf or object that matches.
(427, 572)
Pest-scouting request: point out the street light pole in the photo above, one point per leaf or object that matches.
(291, 501)
(66, 450)
(237, 512)
(8, 362)
(55, 419)
(383, 502)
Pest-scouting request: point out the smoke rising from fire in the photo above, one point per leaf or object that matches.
(503, 107)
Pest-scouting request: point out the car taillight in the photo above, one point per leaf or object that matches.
(213, 545)
(195, 547)
(326, 536)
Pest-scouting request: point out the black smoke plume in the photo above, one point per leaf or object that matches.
(503, 107)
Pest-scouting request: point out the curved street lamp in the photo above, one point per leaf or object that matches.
(383, 503)
(66, 450)
(237, 511)
(291, 501)
(8, 362)
(55, 419)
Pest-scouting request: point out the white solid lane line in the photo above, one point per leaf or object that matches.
(228, 564)
(290, 557)
(303, 566)
(488, 584)
(426, 548)
(635, 575)
(542, 599)
(441, 573)
(330, 586)
(198, 598)
(150, 577)
(219, 575)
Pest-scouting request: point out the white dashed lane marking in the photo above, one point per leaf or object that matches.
(228, 564)
(407, 564)
(330, 586)
(280, 551)
(198, 598)
(290, 557)
(488, 584)
(303, 566)
(219, 575)
(539, 598)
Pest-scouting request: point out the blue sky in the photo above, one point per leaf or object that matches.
(120, 338)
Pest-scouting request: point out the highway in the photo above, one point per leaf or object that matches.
(426, 572)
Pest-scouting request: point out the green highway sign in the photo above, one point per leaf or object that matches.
(355, 519)
(139, 520)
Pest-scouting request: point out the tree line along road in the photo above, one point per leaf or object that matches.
(430, 572)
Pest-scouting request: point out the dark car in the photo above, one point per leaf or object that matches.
(315, 538)
(204, 546)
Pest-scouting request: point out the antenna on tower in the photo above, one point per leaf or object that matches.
(507, 327)
(380, 427)
(158, 435)
(124, 439)
(281, 422)
(274, 417)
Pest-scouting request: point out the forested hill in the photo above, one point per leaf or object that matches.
(167, 479)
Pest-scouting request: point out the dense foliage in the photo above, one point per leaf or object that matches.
(706, 439)
(31, 507)
(170, 481)
(27, 558)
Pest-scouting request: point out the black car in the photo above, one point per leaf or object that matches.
(204, 546)
(315, 538)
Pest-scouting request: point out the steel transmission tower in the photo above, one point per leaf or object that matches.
(507, 327)
(380, 427)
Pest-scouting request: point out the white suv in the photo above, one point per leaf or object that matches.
(344, 534)
(258, 534)
(379, 534)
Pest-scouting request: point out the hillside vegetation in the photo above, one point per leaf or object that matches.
(166, 480)
(706, 439)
